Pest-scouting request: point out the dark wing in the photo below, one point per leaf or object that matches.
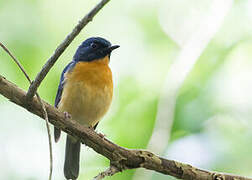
(69, 67)
(62, 81)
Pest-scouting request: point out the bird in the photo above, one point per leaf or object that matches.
(84, 93)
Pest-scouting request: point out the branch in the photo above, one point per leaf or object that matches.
(109, 172)
(41, 103)
(119, 157)
(61, 48)
(190, 52)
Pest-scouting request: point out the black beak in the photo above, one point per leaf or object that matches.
(111, 48)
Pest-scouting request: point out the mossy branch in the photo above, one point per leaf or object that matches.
(120, 158)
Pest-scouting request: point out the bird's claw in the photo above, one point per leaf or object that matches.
(67, 115)
(99, 134)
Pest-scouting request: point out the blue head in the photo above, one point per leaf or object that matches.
(93, 48)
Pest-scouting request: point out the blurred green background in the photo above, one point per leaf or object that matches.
(212, 125)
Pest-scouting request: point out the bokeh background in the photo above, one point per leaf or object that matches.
(183, 82)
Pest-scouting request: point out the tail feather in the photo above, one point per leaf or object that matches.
(57, 133)
(72, 157)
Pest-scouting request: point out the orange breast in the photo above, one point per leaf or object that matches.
(88, 91)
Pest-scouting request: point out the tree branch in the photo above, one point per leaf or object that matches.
(121, 158)
(42, 105)
(61, 48)
(109, 172)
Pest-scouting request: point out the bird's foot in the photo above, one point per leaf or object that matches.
(90, 127)
(67, 115)
(99, 134)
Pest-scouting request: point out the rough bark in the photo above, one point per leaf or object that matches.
(120, 158)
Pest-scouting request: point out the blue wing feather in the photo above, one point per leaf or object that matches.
(62, 81)
(68, 68)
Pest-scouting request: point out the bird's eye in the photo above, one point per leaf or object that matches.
(93, 45)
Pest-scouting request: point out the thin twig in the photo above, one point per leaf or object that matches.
(16, 61)
(49, 135)
(109, 172)
(61, 48)
(119, 157)
(42, 105)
